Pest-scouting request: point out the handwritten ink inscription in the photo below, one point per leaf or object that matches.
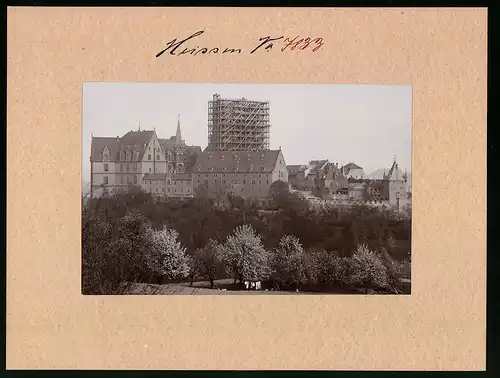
(177, 48)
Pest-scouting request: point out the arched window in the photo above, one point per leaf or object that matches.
(180, 168)
(157, 157)
(169, 168)
(169, 156)
(149, 157)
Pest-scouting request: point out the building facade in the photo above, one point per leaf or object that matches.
(248, 174)
(238, 124)
(352, 170)
(120, 163)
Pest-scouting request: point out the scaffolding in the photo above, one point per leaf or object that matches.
(238, 125)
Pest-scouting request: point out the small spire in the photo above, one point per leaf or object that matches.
(178, 136)
(139, 125)
(394, 158)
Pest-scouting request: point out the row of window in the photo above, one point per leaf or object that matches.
(134, 167)
(169, 157)
(162, 190)
(123, 180)
(224, 175)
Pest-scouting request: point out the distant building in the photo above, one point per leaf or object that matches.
(352, 170)
(179, 157)
(155, 184)
(391, 188)
(303, 177)
(120, 163)
(180, 185)
(245, 174)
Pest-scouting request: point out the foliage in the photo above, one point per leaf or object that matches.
(287, 262)
(117, 234)
(207, 261)
(367, 269)
(166, 257)
(244, 255)
(109, 253)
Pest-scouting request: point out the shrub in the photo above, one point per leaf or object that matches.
(340, 270)
(207, 261)
(165, 256)
(368, 271)
(287, 262)
(244, 255)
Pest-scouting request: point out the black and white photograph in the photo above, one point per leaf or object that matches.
(246, 189)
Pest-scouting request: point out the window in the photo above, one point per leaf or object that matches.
(135, 179)
(126, 167)
(157, 157)
(182, 190)
(244, 181)
(121, 167)
(149, 169)
(105, 180)
(105, 167)
(156, 190)
(168, 190)
(162, 190)
(260, 182)
(267, 182)
(149, 156)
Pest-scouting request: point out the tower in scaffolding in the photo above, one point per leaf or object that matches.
(238, 124)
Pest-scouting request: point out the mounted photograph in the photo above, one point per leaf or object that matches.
(246, 189)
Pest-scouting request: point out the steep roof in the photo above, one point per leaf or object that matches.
(293, 169)
(351, 166)
(193, 149)
(395, 173)
(237, 161)
(133, 141)
(98, 144)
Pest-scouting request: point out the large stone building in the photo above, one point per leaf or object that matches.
(247, 174)
(119, 163)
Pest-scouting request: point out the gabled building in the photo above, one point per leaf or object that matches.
(119, 163)
(245, 174)
(352, 170)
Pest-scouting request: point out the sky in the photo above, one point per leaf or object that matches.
(365, 124)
